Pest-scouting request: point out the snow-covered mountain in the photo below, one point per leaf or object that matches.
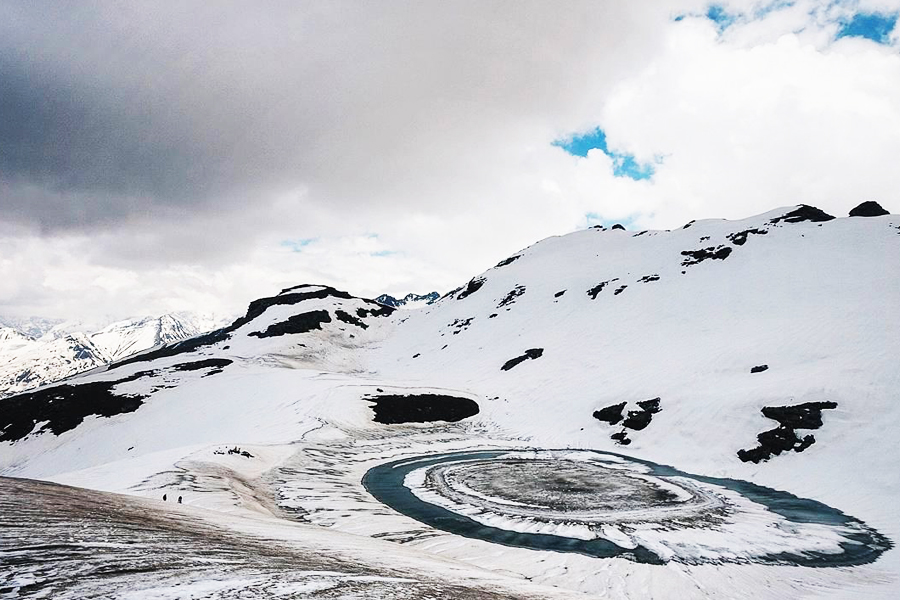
(33, 327)
(713, 408)
(11, 339)
(125, 338)
(27, 362)
(410, 300)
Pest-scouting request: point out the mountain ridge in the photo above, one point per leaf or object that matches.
(27, 362)
(697, 348)
(409, 301)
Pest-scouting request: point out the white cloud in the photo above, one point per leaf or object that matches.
(744, 129)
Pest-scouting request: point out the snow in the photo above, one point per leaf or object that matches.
(817, 302)
(61, 350)
(25, 364)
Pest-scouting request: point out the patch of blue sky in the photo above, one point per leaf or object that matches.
(872, 26)
(384, 253)
(723, 18)
(765, 9)
(624, 165)
(580, 145)
(297, 245)
(593, 218)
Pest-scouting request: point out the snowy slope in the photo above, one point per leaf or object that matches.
(814, 301)
(259, 369)
(568, 328)
(12, 340)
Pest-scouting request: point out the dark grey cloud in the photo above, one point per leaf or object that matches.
(113, 109)
(113, 112)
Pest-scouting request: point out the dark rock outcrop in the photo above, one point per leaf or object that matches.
(599, 288)
(639, 419)
(621, 437)
(784, 437)
(301, 323)
(530, 354)
(421, 408)
(869, 208)
(635, 420)
(461, 324)
(507, 261)
(698, 256)
(473, 286)
(739, 238)
(804, 212)
(62, 408)
(510, 298)
(379, 311)
(759, 368)
(216, 364)
(610, 414)
(349, 319)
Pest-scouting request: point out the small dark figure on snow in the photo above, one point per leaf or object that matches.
(179, 499)
(164, 497)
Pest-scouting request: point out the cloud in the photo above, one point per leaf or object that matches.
(124, 110)
(624, 164)
(745, 128)
(162, 157)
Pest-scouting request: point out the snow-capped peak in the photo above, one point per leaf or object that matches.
(409, 301)
(59, 352)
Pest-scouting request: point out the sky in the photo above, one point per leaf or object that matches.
(173, 156)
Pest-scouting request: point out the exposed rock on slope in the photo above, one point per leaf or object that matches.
(421, 408)
(869, 208)
(784, 437)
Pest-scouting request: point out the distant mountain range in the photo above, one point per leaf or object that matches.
(409, 300)
(36, 351)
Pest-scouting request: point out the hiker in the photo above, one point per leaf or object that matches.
(179, 499)
(164, 497)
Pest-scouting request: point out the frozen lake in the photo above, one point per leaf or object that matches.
(605, 505)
